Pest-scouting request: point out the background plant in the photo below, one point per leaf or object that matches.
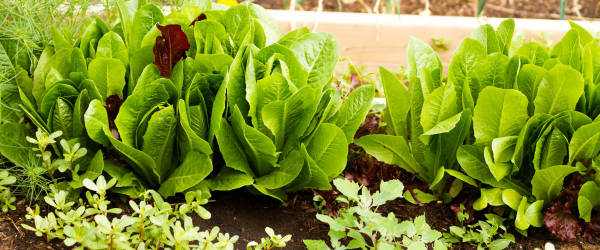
(25, 30)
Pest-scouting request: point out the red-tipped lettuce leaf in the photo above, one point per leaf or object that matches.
(198, 19)
(169, 48)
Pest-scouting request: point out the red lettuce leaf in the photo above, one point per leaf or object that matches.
(169, 48)
(560, 218)
(198, 19)
(363, 168)
(563, 226)
(113, 104)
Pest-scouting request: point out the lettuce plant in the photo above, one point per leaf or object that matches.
(513, 121)
(542, 132)
(280, 125)
(152, 92)
(104, 91)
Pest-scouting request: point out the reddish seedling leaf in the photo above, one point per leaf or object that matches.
(169, 48)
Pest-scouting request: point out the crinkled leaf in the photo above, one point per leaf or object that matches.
(329, 149)
(568, 51)
(62, 118)
(391, 150)
(487, 36)
(229, 179)
(354, 110)
(461, 72)
(288, 170)
(288, 120)
(505, 33)
(397, 101)
(318, 53)
(259, 148)
(111, 45)
(96, 122)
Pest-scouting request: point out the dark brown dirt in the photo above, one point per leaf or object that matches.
(548, 9)
(13, 236)
(246, 215)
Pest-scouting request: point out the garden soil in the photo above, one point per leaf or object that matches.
(241, 213)
(547, 9)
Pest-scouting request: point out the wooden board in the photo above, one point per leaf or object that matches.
(374, 40)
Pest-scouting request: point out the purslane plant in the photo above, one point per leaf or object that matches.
(514, 122)
(32, 179)
(153, 224)
(158, 90)
(33, 159)
(6, 196)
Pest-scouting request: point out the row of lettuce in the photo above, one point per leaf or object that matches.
(513, 121)
(212, 98)
(160, 98)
